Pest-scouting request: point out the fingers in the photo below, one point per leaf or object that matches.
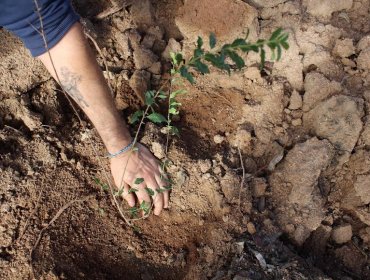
(129, 197)
(157, 197)
(142, 194)
(163, 182)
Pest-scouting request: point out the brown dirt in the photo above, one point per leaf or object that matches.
(302, 128)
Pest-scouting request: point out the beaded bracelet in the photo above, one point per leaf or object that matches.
(123, 150)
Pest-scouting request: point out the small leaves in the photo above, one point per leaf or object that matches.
(138, 181)
(174, 130)
(156, 118)
(201, 67)
(263, 58)
(136, 116)
(177, 92)
(145, 207)
(133, 190)
(199, 42)
(162, 95)
(176, 58)
(237, 59)
(185, 73)
(103, 186)
(212, 40)
(134, 211)
(149, 191)
(149, 97)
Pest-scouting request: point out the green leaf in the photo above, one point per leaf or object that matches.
(176, 58)
(212, 40)
(200, 42)
(285, 45)
(185, 73)
(149, 191)
(162, 95)
(138, 181)
(201, 67)
(173, 111)
(157, 118)
(149, 97)
(133, 190)
(263, 58)
(276, 33)
(197, 53)
(177, 92)
(169, 187)
(238, 43)
(278, 53)
(174, 130)
(145, 207)
(160, 190)
(217, 61)
(237, 59)
(120, 192)
(104, 187)
(134, 211)
(136, 116)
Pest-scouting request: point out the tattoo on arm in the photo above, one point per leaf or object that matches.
(70, 81)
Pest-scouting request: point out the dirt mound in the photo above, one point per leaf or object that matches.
(302, 127)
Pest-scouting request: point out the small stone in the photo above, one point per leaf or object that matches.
(296, 122)
(205, 165)
(139, 82)
(156, 31)
(241, 139)
(148, 41)
(259, 187)
(142, 12)
(218, 139)
(155, 68)
(144, 58)
(134, 39)
(251, 228)
(363, 60)
(344, 48)
(158, 150)
(364, 43)
(217, 170)
(172, 46)
(295, 101)
(342, 234)
(348, 62)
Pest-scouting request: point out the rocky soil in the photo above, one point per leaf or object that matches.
(302, 126)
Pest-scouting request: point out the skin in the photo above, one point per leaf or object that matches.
(81, 77)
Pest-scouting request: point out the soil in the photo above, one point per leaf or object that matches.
(302, 127)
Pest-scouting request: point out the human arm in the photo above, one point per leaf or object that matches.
(80, 76)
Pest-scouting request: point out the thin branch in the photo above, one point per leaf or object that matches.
(243, 178)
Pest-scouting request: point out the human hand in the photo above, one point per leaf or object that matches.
(140, 163)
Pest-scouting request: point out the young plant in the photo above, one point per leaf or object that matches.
(226, 58)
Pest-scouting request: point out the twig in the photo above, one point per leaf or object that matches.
(31, 215)
(243, 178)
(110, 11)
(56, 216)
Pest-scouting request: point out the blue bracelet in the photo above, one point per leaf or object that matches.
(123, 150)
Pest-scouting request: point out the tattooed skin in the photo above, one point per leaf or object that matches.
(70, 83)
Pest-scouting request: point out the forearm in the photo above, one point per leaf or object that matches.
(82, 79)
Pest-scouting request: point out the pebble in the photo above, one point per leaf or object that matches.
(296, 122)
(259, 186)
(218, 139)
(342, 234)
(295, 101)
(251, 228)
